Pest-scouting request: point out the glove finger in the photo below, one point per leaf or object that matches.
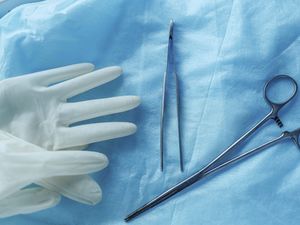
(79, 111)
(80, 188)
(51, 163)
(86, 82)
(28, 201)
(22, 163)
(72, 148)
(56, 75)
(23, 169)
(90, 133)
(17, 155)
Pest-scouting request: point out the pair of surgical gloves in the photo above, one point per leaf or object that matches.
(38, 145)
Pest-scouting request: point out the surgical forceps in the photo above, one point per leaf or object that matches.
(170, 58)
(216, 164)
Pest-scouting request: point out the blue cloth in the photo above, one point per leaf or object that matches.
(8, 5)
(224, 53)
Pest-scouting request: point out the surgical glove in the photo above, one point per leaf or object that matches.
(34, 107)
(22, 163)
(28, 200)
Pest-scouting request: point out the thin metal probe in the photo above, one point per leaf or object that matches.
(178, 188)
(162, 120)
(163, 105)
(178, 121)
(177, 97)
(170, 53)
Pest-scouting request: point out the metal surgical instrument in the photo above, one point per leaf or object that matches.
(216, 164)
(170, 60)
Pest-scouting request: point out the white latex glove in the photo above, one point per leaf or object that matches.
(28, 200)
(34, 107)
(22, 163)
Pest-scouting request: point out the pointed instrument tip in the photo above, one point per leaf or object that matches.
(132, 216)
(171, 29)
(127, 219)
